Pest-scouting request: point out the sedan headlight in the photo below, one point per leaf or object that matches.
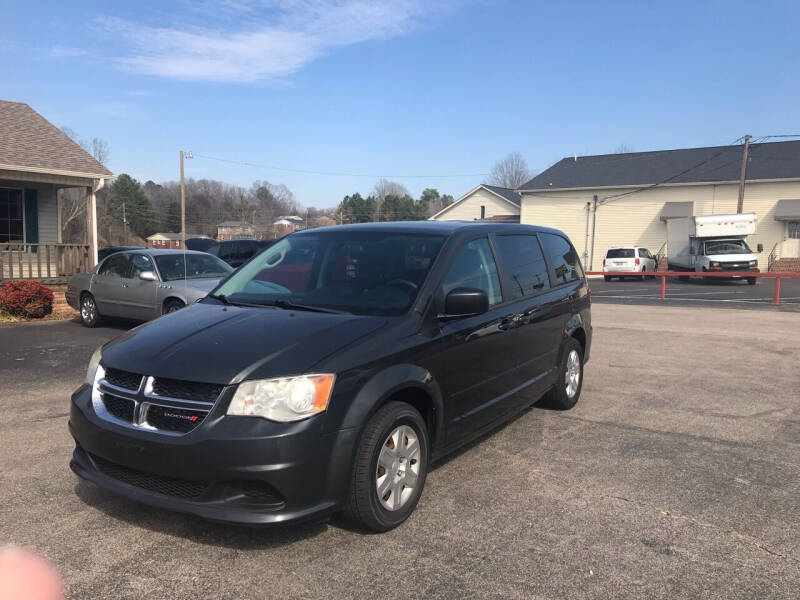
(714, 264)
(94, 365)
(283, 399)
(753, 263)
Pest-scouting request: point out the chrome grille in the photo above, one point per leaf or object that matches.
(189, 390)
(168, 406)
(123, 379)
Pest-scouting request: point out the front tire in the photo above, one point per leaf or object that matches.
(390, 467)
(751, 281)
(90, 316)
(606, 277)
(171, 306)
(565, 393)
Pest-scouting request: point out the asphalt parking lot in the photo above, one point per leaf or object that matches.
(676, 476)
(722, 293)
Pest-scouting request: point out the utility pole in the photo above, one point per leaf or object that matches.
(586, 239)
(594, 222)
(124, 222)
(183, 207)
(740, 204)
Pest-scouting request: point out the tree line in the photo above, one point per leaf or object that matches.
(129, 211)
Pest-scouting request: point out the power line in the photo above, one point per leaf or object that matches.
(337, 173)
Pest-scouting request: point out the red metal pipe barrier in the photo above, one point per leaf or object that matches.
(723, 274)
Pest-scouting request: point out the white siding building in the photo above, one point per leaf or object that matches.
(638, 192)
(482, 202)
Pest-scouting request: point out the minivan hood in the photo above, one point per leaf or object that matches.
(226, 344)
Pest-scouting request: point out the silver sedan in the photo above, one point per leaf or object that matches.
(144, 284)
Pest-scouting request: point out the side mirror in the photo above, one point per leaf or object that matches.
(465, 302)
(760, 248)
(147, 276)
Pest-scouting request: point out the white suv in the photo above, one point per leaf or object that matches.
(629, 258)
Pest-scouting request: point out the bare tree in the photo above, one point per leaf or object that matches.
(511, 172)
(623, 149)
(73, 201)
(384, 188)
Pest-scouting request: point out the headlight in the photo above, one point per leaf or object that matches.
(753, 263)
(283, 399)
(94, 363)
(714, 264)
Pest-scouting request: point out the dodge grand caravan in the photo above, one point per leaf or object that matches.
(329, 371)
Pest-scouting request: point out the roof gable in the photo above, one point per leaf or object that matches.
(506, 194)
(28, 141)
(773, 160)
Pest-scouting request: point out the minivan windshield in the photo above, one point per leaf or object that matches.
(727, 247)
(360, 272)
(620, 253)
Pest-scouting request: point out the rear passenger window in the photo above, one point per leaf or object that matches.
(564, 263)
(474, 267)
(115, 266)
(522, 263)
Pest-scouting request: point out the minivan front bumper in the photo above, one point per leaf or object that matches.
(232, 469)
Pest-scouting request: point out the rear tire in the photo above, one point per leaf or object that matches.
(382, 497)
(606, 277)
(569, 382)
(90, 316)
(751, 281)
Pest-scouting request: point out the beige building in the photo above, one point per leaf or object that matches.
(638, 192)
(483, 202)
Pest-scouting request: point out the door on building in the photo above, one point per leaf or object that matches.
(12, 227)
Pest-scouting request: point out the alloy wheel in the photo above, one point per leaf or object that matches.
(88, 309)
(398, 468)
(572, 374)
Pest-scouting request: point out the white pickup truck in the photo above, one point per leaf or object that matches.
(712, 243)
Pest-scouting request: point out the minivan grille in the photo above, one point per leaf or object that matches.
(123, 379)
(121, 408)
(167, 486)
(180, 420)
(188, 390)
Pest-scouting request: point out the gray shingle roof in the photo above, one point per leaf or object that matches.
(506, 193)
(772, 160)
(29, 141)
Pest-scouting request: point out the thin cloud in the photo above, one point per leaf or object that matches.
(60, 51)
(273, 39)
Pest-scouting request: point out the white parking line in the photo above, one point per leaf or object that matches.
(734, 300)
(674, 294)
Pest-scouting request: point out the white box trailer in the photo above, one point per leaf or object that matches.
(712, 243)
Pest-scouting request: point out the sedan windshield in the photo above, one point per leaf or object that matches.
(198, 266)
(361, 272)
(727, 247)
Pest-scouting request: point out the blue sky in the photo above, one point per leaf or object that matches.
(401, 87)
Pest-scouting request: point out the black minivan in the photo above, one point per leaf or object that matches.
(329, 371)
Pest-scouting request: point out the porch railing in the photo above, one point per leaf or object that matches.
(43, 261)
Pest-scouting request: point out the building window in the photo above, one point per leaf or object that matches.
(11, 227)
(794, 230)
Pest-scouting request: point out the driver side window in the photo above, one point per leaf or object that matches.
(474, 267)
(139, 264)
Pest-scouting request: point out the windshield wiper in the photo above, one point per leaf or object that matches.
(221, 297)
(226, 301)
(292, 306)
